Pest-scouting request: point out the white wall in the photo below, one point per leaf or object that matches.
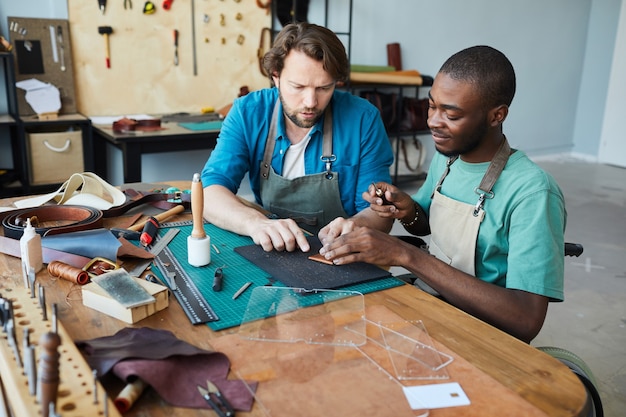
(561, 49)
(612, 144)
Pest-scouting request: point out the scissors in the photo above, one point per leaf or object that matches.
(216, 400)
(128, 3)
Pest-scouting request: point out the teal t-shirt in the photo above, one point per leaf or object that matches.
(521, 239)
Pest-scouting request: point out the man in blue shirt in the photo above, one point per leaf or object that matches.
(309, 150)
(496, 220)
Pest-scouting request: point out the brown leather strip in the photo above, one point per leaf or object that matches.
(52, 219)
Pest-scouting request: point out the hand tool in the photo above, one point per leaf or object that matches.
(106, 31)
(150, 230)
(125, 233)
(149, 8)
(216, 400)
(53, 43)
(94, 373)
(190, 298)
(61, 48)
(102, 4)
(48, 373)
(193, 37)
(161, 243)
(160, 217)
(198, 243)
(380, 193)
(175, 46)
(241, 290)
(42, 303)
(11, 337)
(128, 3)
(218, 276)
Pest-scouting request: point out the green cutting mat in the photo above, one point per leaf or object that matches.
(237, 271)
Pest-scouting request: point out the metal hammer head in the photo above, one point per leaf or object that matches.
(105, 30)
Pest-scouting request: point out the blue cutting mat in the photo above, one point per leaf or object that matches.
(211, 125)
(237, 271)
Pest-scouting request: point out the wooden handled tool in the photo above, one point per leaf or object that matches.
(197, 207)
(106, 31)
(198, 243)
(160, 217)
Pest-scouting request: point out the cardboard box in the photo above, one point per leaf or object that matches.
(98, 299)
(54, 157)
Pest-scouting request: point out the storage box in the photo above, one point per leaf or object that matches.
(55, 156)
(98, 299)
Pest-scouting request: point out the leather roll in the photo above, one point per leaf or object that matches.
(51, 220)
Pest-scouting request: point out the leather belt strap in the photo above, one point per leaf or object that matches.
(55, 219)
(160, 200)
(52, 219)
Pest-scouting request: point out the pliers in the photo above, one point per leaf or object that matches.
(128, 3)
(216, 400)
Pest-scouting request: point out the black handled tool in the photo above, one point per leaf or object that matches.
(218, 276)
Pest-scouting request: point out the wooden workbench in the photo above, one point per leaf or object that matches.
(500, 375)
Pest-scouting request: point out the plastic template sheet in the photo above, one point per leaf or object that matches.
(284, 314)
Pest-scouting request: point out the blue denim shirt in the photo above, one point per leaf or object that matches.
(360, 142)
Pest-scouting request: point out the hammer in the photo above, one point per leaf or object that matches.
(106, 31)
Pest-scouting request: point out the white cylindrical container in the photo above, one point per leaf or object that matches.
(198, 251)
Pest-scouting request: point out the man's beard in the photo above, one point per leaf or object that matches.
(293, 115)
(469, 142)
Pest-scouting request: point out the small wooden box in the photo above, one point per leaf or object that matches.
(98, 299)
(54, 157)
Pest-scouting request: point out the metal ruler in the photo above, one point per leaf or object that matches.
(160, 244)
(191, 300)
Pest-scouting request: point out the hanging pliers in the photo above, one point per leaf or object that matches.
(216, 400)
(128, 4)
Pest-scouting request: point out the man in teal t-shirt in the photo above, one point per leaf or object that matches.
(495, 219)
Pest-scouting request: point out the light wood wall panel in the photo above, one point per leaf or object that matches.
(143, 77)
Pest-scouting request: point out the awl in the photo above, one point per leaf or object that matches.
(175, 47)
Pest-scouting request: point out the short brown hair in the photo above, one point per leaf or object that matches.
(316, 42)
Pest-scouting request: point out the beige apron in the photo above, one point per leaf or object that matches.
(316, 196)
(454, 225)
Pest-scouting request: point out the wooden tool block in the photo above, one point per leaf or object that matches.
(98, 299)
(76, 389)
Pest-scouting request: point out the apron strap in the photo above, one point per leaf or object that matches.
(496, 166)
(444, 175)
(327, 145)
(270, 143)
(493, 172)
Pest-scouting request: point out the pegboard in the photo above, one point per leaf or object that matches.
(143, 78)
(42, 50)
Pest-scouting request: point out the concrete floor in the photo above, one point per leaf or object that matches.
(591, 322)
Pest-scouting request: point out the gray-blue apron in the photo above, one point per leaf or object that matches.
(313, 200)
